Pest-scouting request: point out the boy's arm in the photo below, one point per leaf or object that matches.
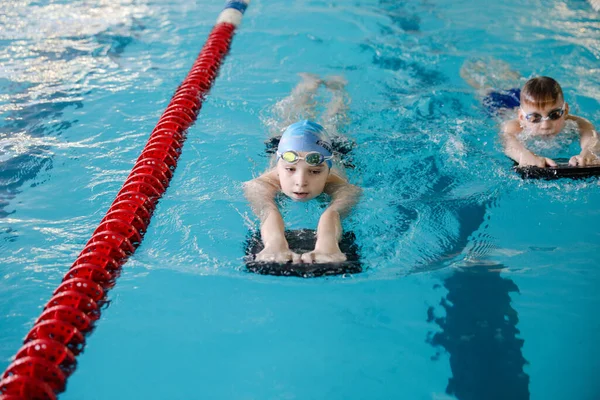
(516, 150)
(329, 230)
(590, 145)
(261, 192)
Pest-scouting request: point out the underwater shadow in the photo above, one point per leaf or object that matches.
(479, 333)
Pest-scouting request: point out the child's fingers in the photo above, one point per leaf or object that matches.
(316, 257)
(308, 258)
(550, 162)
(296, 258)
(278, 257)
(270, 257)
(574, 161)
(538, 162)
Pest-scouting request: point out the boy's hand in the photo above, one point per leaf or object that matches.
(319, 257)
(324, 256)
(278, 255)
(584, 158)
(528, 158)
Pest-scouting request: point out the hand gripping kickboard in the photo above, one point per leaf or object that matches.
(303, 241)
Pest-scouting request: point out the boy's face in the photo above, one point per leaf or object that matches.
(550, 119)
(300, 181)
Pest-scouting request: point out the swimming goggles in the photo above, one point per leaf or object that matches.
(553, 115)
(312, 158)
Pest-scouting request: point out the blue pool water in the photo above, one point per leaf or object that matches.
(478, 285)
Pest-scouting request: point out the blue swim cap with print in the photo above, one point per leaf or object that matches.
(305, 136)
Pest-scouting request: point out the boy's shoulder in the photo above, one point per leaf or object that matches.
(511, 127)
(335, 178)
(269, 177)
(582, 123)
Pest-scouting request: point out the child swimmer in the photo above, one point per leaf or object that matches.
(543, 113)
(304, 169)
(543, 116)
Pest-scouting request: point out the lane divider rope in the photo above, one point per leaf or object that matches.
(48, 356)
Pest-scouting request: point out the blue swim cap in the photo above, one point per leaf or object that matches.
(305, 136)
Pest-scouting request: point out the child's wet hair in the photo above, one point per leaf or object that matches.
(541, 91)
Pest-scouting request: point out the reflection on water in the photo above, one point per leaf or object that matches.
(55, 47)
(54, 53)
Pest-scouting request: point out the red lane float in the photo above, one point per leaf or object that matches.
(47, 358)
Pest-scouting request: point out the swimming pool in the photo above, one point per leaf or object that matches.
(478, 285)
